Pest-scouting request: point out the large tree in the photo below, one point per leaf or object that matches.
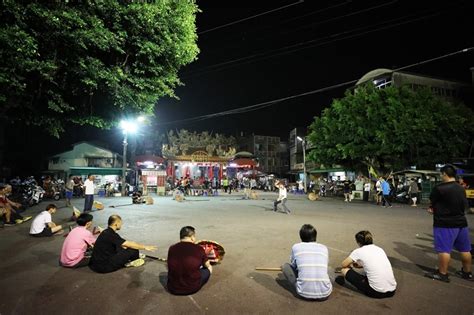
(91, 62)
(391, 128)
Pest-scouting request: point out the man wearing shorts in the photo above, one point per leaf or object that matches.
(450, 230)
(69, 190)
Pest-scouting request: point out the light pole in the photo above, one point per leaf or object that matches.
(303, 143)
(128, 126)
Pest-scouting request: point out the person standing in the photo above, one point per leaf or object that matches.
(188, 266)
(413, 191)
(225, 183)
(385, 192)
(450, 228)
(367, 187)
(282, 197)
(43, 225)
(89, 193)
(378, 190)
(69, 187)
(307, 271)
(347, 190)
(111, 252)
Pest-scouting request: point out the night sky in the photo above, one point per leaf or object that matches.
(306, 46)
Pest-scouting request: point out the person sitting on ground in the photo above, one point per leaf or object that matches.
(188, 266)
(43, 226)
(111, 252)
(78, 244)
(308, 268)
(379, 281)
(9, 207)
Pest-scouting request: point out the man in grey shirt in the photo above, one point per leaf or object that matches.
(308, 267)
(413, 191)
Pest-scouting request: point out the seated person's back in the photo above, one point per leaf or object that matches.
(185, 259)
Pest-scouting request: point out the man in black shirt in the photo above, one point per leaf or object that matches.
(111, 252)
(450, 230)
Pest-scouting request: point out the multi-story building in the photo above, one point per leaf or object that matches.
(270, 151)
(450, 89)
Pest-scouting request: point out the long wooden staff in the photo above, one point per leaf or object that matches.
(268, 268)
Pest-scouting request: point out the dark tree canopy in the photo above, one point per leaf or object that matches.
(391, 128)
(91, 63)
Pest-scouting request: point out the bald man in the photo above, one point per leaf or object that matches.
(111, 252)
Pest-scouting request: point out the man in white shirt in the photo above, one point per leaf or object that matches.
(43, 226)
(282, 196)
(89, 193)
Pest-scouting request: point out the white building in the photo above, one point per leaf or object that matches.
(85, 158)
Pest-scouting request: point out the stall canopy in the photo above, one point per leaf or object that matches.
(325, 170)
(149, 158)
(243, 162)
(95, 171)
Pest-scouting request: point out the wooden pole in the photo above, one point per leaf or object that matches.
(268, 268)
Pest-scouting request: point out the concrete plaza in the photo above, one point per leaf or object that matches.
(254, 236)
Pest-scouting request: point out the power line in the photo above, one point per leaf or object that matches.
(250, 17)
(309, 44)
(273, 102)
(346, 15)
(304, 45)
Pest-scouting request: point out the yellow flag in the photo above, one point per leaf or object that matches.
(373, 172)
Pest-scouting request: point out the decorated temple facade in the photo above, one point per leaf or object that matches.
(198, 155)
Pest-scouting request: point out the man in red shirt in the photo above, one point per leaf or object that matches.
(188, 267)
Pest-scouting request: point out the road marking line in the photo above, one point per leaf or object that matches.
(195, 303)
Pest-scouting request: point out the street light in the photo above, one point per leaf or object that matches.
(303, 143)
(128, 126)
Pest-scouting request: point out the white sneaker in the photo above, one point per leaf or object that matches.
(141, 256)
(135, 263)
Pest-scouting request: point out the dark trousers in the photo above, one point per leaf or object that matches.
(385, 200)
(88, 202)
(283, 204)
(115, 262)
(362, 284)
(205, 275)
(366, 195)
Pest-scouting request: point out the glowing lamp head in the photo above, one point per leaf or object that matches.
(128, 127)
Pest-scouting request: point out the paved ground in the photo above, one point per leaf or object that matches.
(32, 282)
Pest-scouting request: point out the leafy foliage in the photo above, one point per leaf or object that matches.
(90, 63)
(391, 128)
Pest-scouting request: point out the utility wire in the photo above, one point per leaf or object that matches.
(272, 102)
(250, 17)
(301, 45)
(306, 44)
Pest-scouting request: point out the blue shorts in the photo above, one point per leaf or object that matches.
(68, 194)
(445, 239)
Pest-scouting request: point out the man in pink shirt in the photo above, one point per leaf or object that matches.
(75, 248)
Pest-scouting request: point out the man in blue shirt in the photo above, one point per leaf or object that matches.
(385, 192)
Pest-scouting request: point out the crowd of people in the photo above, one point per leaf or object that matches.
(189, 268)
(200, 186)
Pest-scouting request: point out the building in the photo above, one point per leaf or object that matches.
(85, 158)
(449, 89)
(270, 151)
